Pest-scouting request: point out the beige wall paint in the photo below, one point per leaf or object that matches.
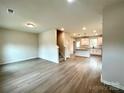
(17, 46)
(113, 45)
(48, 46)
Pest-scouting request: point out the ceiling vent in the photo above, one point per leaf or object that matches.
(10, 11)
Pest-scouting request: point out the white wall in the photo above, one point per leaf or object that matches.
(17, 46)
(113, 46)
(48, 46)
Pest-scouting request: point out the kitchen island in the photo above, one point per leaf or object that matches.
(83, 52)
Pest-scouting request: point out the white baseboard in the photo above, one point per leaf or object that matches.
(50, 60)
(16, 60)
(114, 84)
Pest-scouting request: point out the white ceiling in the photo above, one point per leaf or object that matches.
(48, 14)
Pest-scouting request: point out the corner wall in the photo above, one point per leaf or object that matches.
(48, 46)
(113, 46)
(17, 46)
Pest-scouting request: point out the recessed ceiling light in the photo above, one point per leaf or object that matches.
(70, 1)
(30, 25)
(94, 31)
(84, 28)
(74, 34)
(96, 34)
(62, 29)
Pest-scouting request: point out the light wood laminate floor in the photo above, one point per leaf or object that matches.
(76, 75)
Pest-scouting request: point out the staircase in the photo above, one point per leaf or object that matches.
(61, 58)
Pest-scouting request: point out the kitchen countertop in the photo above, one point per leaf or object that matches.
(82, 49)
(85, 49)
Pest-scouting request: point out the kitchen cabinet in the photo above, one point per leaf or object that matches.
(96, 51)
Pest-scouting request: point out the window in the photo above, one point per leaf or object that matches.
(78, 44)
(93, 42)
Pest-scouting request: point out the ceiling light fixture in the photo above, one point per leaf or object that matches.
(74, 34)
(96, 34)
(62, 29)
(30, 25)
(84, 28)
(70, 1)
(94, 31)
